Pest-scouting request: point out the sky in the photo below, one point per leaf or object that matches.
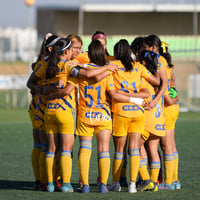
(15, 13)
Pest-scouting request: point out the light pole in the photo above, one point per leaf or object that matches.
(29, 4)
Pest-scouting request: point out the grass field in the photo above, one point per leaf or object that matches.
(16, 177)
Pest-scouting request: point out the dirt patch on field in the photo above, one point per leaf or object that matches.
(14, 68)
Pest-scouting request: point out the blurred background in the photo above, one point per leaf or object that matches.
(23, 24)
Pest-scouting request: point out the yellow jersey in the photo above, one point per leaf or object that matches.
(154, 118)
(128, 82)
(67, 102)
(94, 107)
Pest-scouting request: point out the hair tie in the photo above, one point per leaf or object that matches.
(164, 45)
(145, 55)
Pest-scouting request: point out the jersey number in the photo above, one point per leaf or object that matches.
(125, 84)
(86, 95)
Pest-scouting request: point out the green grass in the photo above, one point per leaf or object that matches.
(16, 177)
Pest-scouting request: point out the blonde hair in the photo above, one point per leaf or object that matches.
(75, 38)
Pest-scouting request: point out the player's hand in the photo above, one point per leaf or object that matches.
(73, 63)
(149, 105)
(60, 84)
(113, 67)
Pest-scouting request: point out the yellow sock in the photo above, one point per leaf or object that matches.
(117, 166)
(49, 165)
(123, 172)
(175, 171)
(169, 165)
(134, 163)
(154, 171)
(143, 171)
(104, 166)
(66, 165)
(84, 160)
(35, 161)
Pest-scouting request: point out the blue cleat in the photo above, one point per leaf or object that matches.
(177, 185)
(103, 188)
(165, 186)
(67, 187)
(85, 189)
(50, 187)
(115, 186)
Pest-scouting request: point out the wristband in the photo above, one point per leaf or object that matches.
(138, 101)
(85, 65)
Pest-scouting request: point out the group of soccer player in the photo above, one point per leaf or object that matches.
(130, 96)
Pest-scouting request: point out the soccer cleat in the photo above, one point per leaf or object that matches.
(58, 185)
(132, 187)
(115, 186)
(123, 182)
(67, 187)
(50, 187)
(103, 188)
(147, 185)
(42, 187)
(165, 186)
(177, 185)
(98, 180)
(85, 189)
(155, 188)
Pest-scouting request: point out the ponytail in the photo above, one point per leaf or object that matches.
(122, 52)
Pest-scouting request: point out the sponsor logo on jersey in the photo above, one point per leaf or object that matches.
(130, 107)
(97, 116)
(160, 127)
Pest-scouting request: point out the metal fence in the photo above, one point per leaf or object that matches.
(185, 52)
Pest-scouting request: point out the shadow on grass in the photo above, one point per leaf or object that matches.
(27, 185)
(16, 185)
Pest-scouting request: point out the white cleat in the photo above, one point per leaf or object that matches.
(132, 187)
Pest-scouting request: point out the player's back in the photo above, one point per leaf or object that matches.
(94, 101)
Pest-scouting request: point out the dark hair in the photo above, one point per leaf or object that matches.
(154, 40)
(122, 52)
(168, 57)
(54, 58)
(96, 53)
(44, 51)
(150, 59)
(100, 34)
(137, 44)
